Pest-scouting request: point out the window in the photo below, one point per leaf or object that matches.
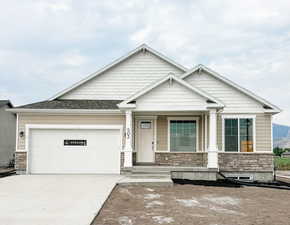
(239, 134)
(182, 135)
(145, 125)
(231, 135)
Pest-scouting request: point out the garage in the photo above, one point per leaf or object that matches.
(74, 149)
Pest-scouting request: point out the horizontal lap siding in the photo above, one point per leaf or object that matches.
(234, 100)
(162, 133)
(219, 132)
(66, 119)
(125, 78)
(263, 132)
(171, 97)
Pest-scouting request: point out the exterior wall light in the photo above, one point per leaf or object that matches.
(21, 134)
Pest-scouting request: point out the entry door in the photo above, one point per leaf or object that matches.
(145, 141)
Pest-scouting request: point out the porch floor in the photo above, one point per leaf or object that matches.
(170, 168)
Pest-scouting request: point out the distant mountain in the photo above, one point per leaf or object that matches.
(281, 136)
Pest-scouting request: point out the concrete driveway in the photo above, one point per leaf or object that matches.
(53, 199)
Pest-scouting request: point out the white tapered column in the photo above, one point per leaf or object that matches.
(212, 155)
(128, 151)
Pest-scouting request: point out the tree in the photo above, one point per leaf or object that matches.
(278, 151)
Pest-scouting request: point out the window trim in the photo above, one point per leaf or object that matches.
(196, 119)
(253, 117)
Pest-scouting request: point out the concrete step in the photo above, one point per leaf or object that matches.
(146, 181)
(150, 175)
(150, 172)
(174, 172)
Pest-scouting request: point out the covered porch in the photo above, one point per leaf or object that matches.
(171, 123)
(174, 140)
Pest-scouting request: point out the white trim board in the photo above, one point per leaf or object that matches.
(17, 129)
(200, 67)
(28, 127)
(239, 117)
(142, 47)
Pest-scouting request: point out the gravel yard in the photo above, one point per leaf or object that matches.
(195, 204)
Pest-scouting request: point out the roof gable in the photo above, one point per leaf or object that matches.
(268, 107)
(193, 93)
(141, 48)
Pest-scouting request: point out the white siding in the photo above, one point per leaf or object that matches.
(125, 78)
(234, 100)
(171, 97)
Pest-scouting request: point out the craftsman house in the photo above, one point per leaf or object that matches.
(142, 110)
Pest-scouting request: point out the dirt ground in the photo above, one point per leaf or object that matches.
(195, 204)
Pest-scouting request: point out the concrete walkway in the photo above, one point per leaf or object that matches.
(53, 199)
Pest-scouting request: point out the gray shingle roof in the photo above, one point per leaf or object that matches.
(5, 102)
(73, 104)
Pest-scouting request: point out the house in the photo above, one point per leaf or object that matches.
(7, 134)
(142, 110)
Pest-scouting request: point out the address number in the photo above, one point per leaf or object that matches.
(75, 142)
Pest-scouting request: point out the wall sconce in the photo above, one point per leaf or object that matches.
(21, 134)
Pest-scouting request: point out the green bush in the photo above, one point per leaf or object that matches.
(282, 163)
(278, 151)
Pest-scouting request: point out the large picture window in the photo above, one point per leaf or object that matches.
(182, 135)
(239, 134)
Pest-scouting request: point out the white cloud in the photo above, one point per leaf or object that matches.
(247, 41)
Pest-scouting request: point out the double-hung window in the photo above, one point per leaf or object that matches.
(238, 133)
(182, 134)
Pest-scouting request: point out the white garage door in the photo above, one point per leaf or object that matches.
(74, 151)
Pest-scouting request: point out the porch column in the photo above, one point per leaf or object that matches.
(212, 154)
(128, 151)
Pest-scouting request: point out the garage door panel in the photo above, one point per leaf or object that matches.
(49, 155)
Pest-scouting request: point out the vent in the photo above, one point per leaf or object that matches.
(210, 101)
(241, 178)
(267, 107)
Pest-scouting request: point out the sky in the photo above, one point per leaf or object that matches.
(46, 46)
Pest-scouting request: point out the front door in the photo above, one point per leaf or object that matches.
(145, 141)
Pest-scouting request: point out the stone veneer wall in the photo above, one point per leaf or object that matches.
(246, 162)
(196, 159)
(228, 162)
(20, 161)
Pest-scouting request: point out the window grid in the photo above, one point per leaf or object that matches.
(247, 127)
(182, 135)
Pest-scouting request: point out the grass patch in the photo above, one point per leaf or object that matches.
(282, 163)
